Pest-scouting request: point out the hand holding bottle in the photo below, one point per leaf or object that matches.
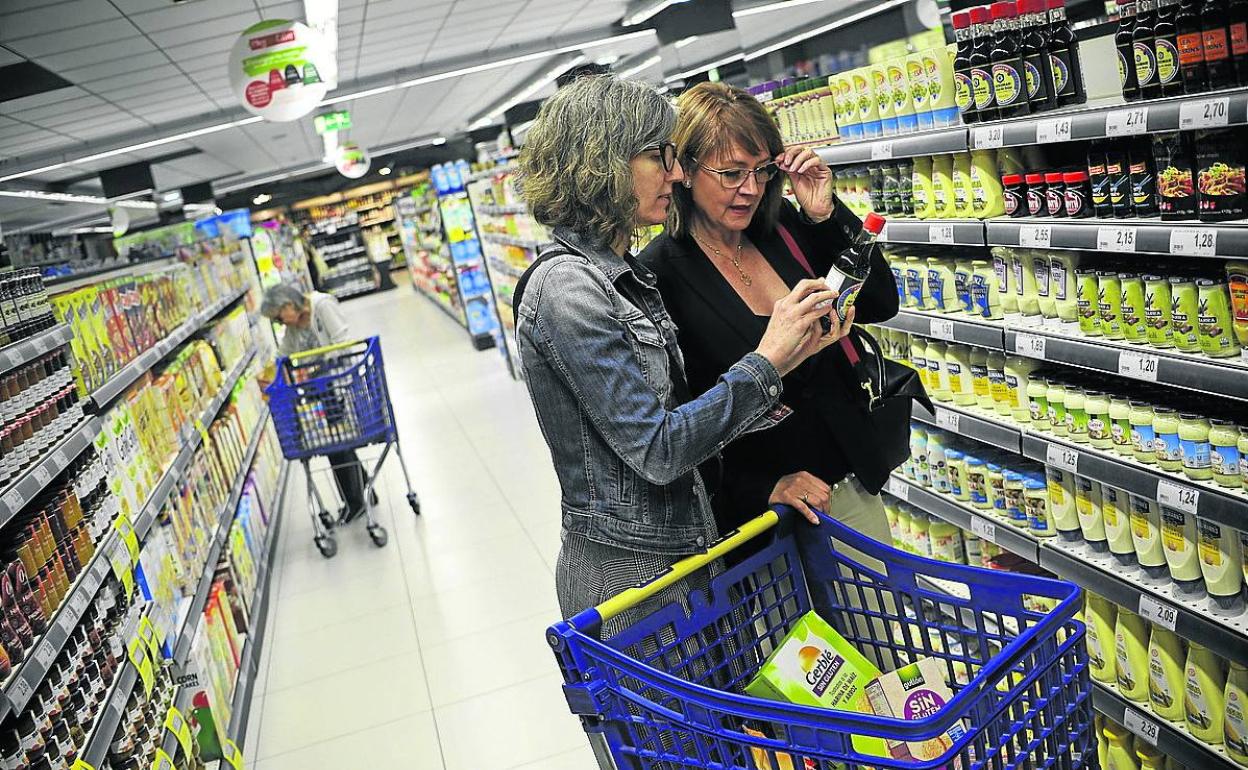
(795, 332)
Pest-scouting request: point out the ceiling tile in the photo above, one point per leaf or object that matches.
(143, 63)
(7, 57)
(98, 54)
(239, 14)
(74, 39)
(228, 26)
(50, 17)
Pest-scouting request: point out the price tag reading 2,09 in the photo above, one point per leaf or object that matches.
(1158, 612)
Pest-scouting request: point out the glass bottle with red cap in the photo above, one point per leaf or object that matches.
(1009, 84)
(852, 266)
(981, 64)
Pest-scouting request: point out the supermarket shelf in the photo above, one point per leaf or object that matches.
(18, 353)
(354, 291)
(339, 273)
(95, 752)
(511, 240)
(499, 211)
(1175, 490)
(984, 334)
(935, 142)
(182, 701)
(1099, 122)
(1143, 236)
(331, 259)
(958, 232)
(39, 475)
(446, 308)
(983, 524)
(132, 371)
(1171, 739)
(240, 711)
(972, 424)
(502, 268)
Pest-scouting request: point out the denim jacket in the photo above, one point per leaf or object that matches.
(598, 349)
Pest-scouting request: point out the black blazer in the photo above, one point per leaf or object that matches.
(828, 434)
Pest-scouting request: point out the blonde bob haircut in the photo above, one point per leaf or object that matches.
(711, 119)
(574, 169)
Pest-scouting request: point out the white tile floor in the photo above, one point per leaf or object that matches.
(428, 653)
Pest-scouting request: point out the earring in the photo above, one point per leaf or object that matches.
(688, 184)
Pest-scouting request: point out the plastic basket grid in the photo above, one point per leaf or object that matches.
(665, 691)
(335, 403)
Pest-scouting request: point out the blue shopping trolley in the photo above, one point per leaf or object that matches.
(335, 399)
(666, 690)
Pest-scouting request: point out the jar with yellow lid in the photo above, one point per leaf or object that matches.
(1143, 437)
(1076, 415)
(1166, 442)
(1100, 430)
(1120, 424)
(1194, 443)
(1057, 407)
(1224, 453)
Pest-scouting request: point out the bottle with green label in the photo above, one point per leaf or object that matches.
(1178, 535)
(1221, 563)
(981, 64)
(1185, 314)
(1101, 616)
(1100, 430)
(1076, 415)
(921, 181)
(1150, 554)
(1236, 727)
(1088, 303)
(1224, 453)
(1215, 325)
(1009, 82)
(1134, 311)
(1205, 686)
(1166, 659)
(1157, 307)
(1131, 655)
(1038, 402)
(1109, 304)
(1120, 424)
(1057, 407)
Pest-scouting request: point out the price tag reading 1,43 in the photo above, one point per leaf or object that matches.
(1127, 122)
(1194, 242)
(1178, 496)
(1063, 457)
(1140, 725)
(1158, 612)
(1052, 131)
(1116, 239)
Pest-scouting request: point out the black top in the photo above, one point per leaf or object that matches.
(829, 434)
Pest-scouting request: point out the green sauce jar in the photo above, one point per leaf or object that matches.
(1076, 415)
(1096, 404)
(1057, 407)
(1143, 435)
(1166, 442)
(1062, 508)
(1195, 446)
(1109, 303)
(977, 482)
(1120, 424)
(955, 462)
(1134, 328)
(1038, 400)
(1242, 446)
(1157, 303)
(1086, 302)
(1224, 453)
(1185, 314)
(1216, 327)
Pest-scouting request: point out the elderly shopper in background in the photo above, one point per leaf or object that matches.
(599, 353)
(314, 320)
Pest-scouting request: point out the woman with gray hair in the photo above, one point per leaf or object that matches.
(599, 352)
(314, 320)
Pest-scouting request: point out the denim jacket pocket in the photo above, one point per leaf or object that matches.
(650, 348)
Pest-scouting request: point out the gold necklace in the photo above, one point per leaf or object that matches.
(736, 259)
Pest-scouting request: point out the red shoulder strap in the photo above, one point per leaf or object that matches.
(798, 255)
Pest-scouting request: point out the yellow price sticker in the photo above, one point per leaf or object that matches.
(181, 729)
(126, 530)
(162, 761)
(123, 568)
(138, 656)
(81, 765)
(147, 630)
(203, 432)
(233, 755)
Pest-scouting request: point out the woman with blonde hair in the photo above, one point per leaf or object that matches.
(599, 355)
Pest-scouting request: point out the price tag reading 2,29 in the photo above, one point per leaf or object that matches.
(1140, 725)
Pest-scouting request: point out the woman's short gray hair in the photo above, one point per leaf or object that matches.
(574, 169)
(279, 296)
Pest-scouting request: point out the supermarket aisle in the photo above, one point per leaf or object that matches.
(428, 653)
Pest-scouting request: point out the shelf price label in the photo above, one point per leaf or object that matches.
(162, 761)
(119, 560)
(984, 529)
(1141, 725)
(1127, 122)
(881, 151)
(1178, 496)
(989, 138)
(948, 420)
(1030, 345)
(1139, 366)
(177, 724)
(20, 693)
(942, 329)
(1194, 242)
(125, 530)
(13, 500)
(138, 656)
(898, 488)
(1035, 236)
(81, 765)
(147, 632)
(11, 359)
(232, 755)
(1053, 131)
(45, 655)
(1205, 113)
(940, 234)
(1064, 457)
(42, 475)
(1116, 239)
(1158, 612)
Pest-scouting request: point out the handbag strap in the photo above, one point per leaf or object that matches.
(800, 256)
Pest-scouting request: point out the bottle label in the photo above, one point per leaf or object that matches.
(963, 92)
(1013, 202)
(1159, 691)
(1007, 84)
(1172, 527)
(1197, 455)
(1055, 201)
(1036, 202)
(1145, 63)
(1003, 276)
(935, 286)
(1217, 47)
(1210, 538)
(1195, 703)
(1125, 69)
(1239, 39)
(1236, 724)
(1096, 654)
(979, 379)
(1142, 527)
(1142, 438)
(1126, 677)
(1167, 61)
(1062, 82)
(1033, 79)
(979, 296)
(1168, 447)
(1040, 267)
(1225, 460)
(1016, 267)
(1120, 432)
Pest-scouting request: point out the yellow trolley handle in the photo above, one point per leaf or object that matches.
(630, 598)
(323, 350)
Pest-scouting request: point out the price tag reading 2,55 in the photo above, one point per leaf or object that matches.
(1035, 236)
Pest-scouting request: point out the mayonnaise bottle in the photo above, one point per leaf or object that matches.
(1220, 563)
(1116, 513)
(1236, 724)
(1088, 504)
(1166, 658)
(1178, 535)
(1204, 703)
(1118, 753)
(1131, 655)
(1102, 615)
(1146, 536)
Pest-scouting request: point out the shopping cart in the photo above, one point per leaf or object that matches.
(334, 399)
(665, 690)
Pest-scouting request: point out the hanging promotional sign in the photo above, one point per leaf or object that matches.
(275, 70)
(339, 120)
(352, 160)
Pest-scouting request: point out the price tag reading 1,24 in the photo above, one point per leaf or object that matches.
(1063, 457)
(1053, 131)
(1178, 496)
(1127, 122)
(1194, 242)
(1140, 725)
(1035, 236)
(1116, 239)
(1205, 113)
(1158, 612)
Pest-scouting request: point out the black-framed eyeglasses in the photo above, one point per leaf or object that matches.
(667, 154)
(733, 178)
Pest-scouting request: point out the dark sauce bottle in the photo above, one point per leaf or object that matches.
(1125, 43)
(1143, 51)
(981, 65)
(1191, 39)
(1219, 63)
(1009, 84)
(1034, 34)
(1238, 20)
(1064, 55)
(1166, 48)
(963, 90)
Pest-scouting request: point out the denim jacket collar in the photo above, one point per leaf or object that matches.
(611, 264)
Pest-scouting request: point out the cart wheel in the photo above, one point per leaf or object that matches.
(378, 535)
(327, 521)
(414, 501)
(327, 546)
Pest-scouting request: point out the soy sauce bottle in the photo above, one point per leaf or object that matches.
(1009, 84)
(981, 65)
(1124, 40)
(1166, 48)
(1218, 62)
(1034, 34)
(1191, 39)
(1064, 55)
(1145, 56)
(1238, 13)
(963, 89)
